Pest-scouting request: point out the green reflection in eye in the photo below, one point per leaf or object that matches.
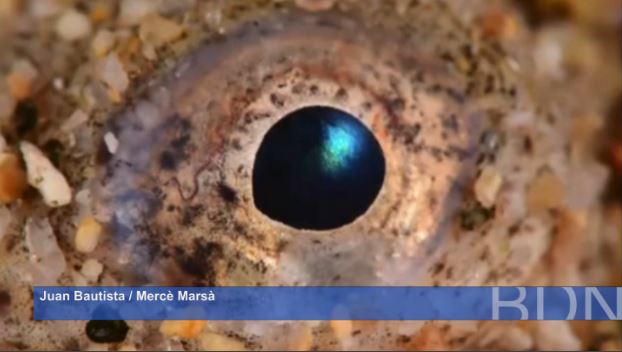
(340, 146)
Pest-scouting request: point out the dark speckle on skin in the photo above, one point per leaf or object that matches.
(396, 105)
(457, 152)
(168, 161)
(175, 153)
(341, 93)
(5, 301)
(200, 263)
(436, 152)
(513, 230)
(474, 216)
(403, 339)
(528, 145)
(438, 267)
(455, 95)
(227, 193)
(71, 345)
(276, 100)
(451, 123)
(180, 142)
(190, 213)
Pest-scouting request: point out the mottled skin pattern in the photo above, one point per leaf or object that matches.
(176, 197)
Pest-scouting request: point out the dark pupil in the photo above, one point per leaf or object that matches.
(317, 168)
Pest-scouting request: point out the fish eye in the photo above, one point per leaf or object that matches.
(296, 127)
(317, 168)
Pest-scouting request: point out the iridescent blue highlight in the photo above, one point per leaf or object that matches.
(340, 146)
(317, 168)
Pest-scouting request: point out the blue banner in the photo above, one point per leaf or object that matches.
(327, 303)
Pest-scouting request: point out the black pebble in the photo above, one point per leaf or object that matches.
(27, 115)
(106, 331)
